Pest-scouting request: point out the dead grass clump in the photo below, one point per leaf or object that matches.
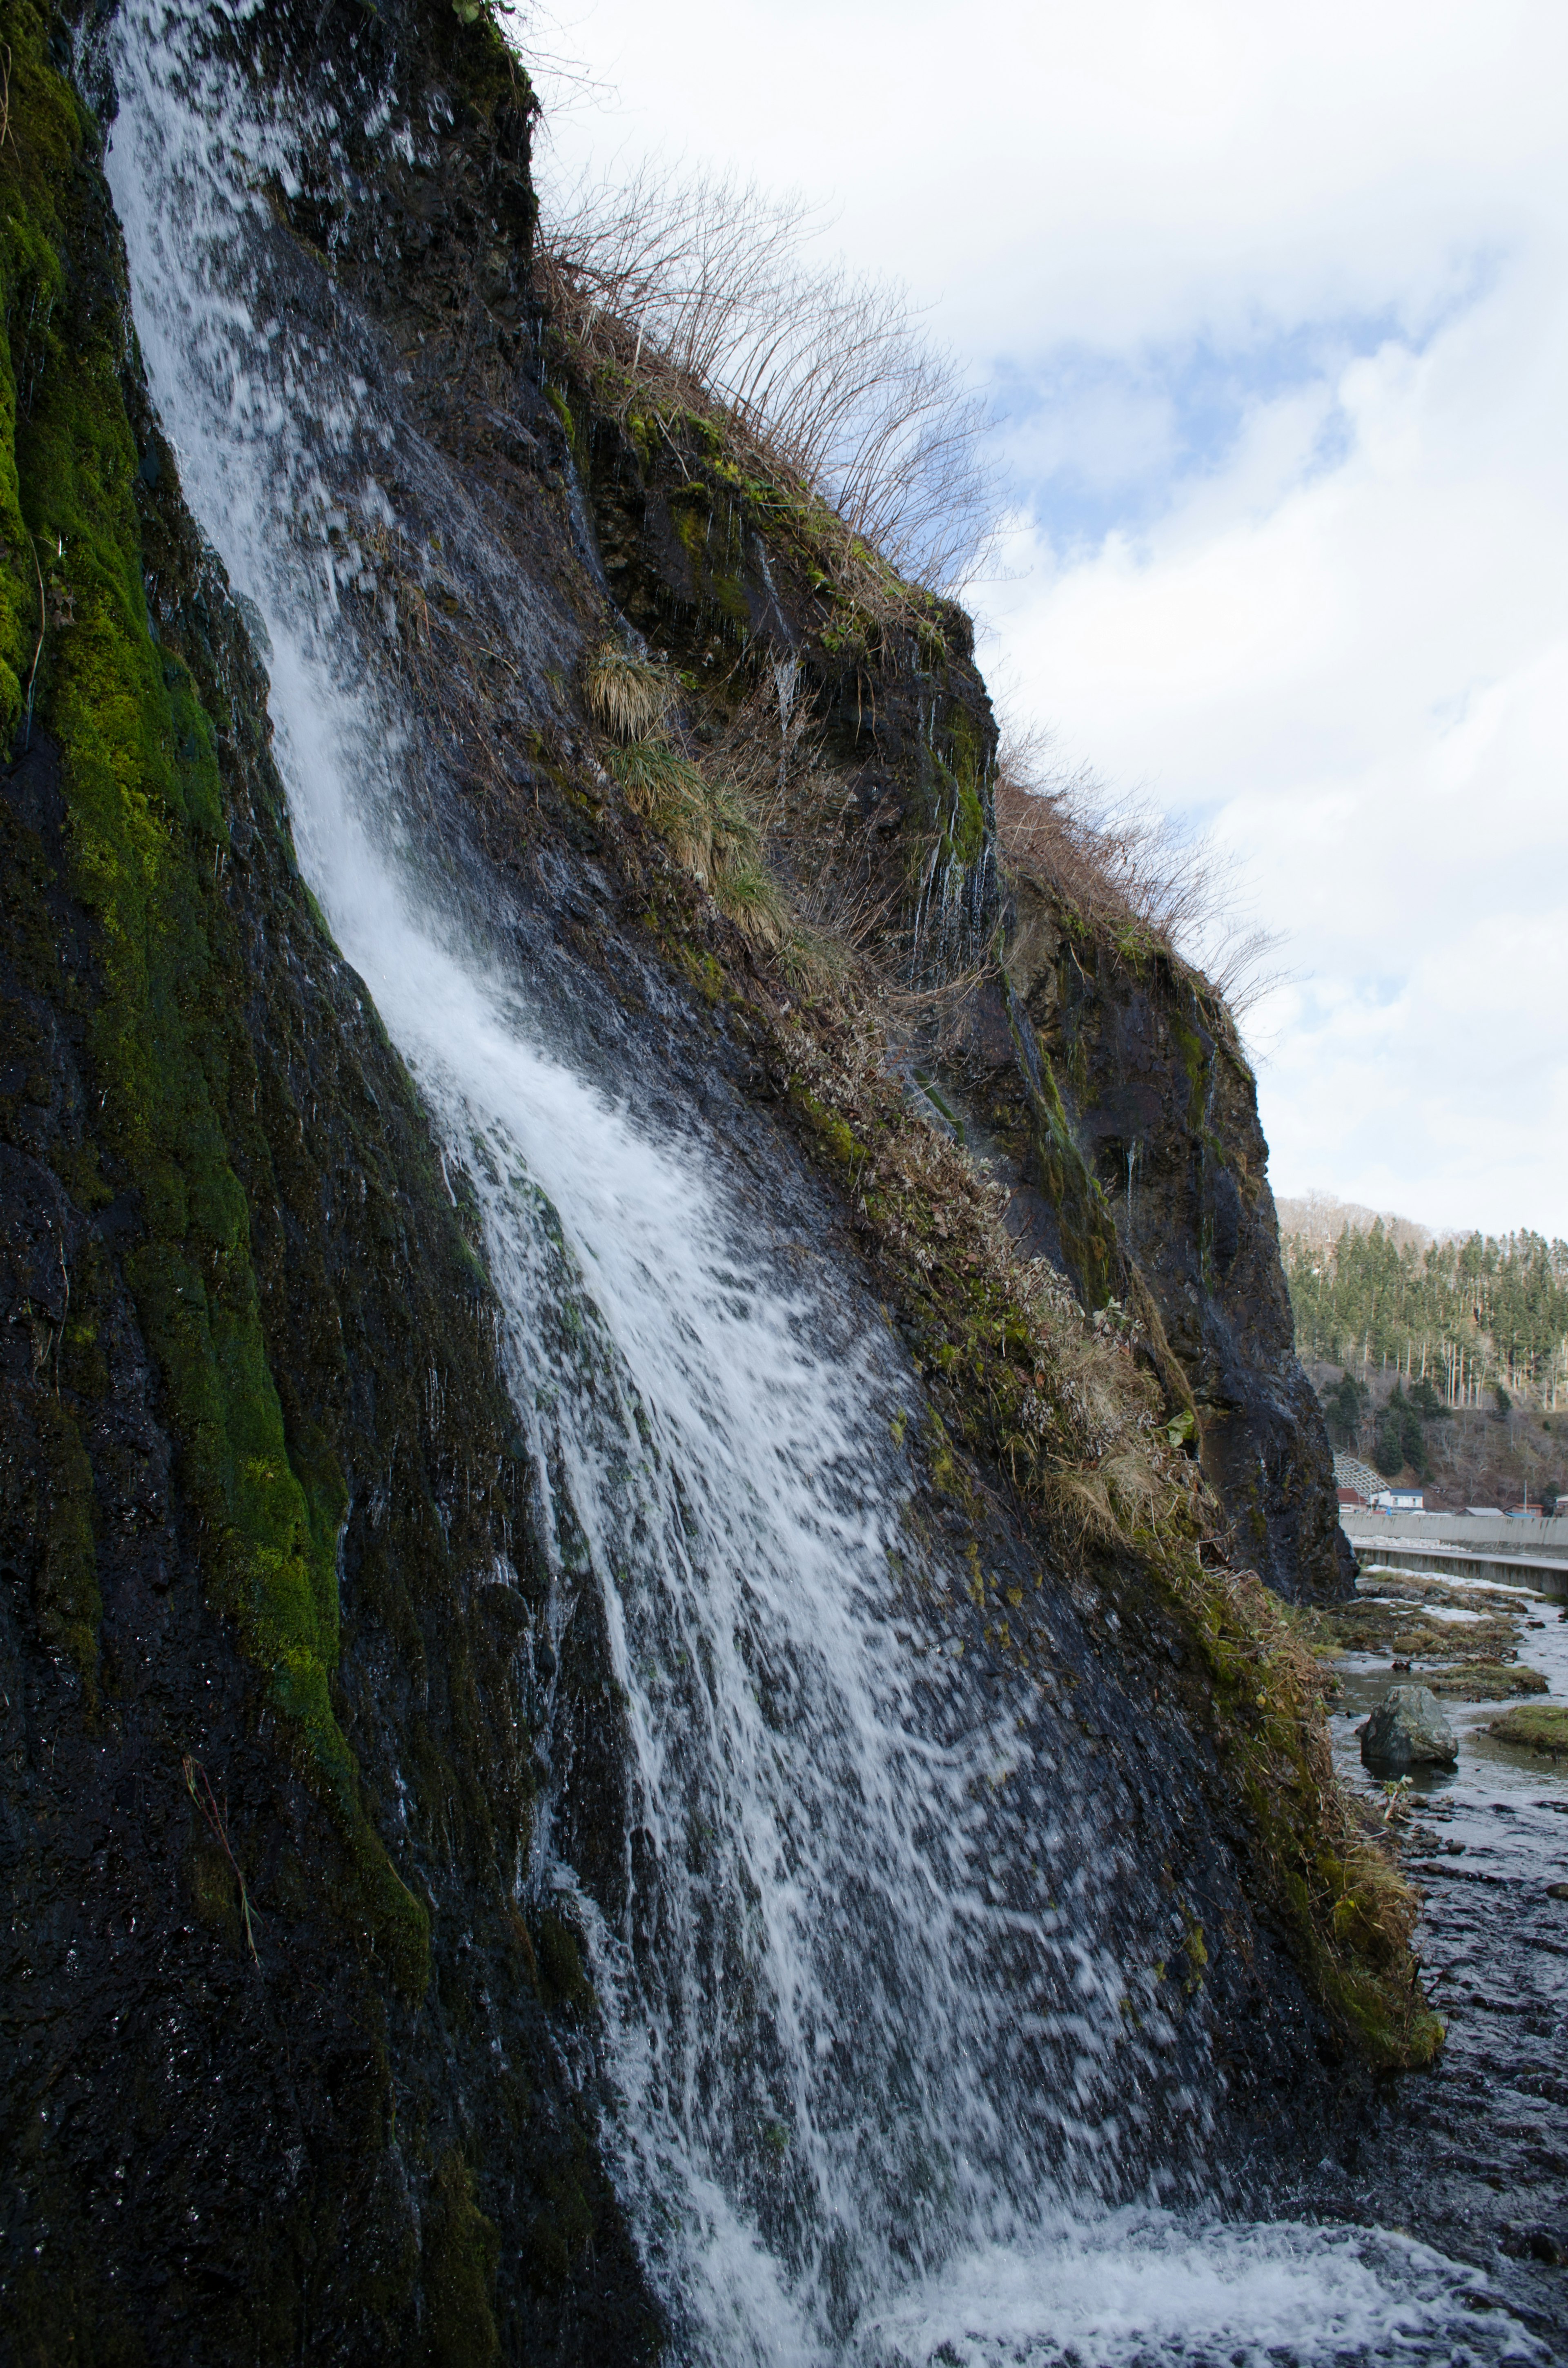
(630, 696)
(656, 782)
(780, 866)
(1375, 1911)
(667, 789)
(711, 834)
(759, 741)
(817, 963)
(736, 837)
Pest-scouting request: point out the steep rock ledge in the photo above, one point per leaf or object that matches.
(616, 515)
(1143, 1114)
(1111, 1075)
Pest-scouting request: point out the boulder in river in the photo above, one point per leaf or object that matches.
(1407, 1730)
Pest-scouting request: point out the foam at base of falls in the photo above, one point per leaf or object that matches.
(1143, 2290)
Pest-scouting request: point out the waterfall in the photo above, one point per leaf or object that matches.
(875, 2095)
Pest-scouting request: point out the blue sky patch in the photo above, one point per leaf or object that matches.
(1098, 443)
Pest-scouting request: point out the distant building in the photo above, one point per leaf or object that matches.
(1350, 1472)
(1399, 1500)
(1352, 1496)
(1486, 1512)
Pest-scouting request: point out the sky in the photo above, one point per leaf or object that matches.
(1271, 306)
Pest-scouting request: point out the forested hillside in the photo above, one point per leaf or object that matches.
(1465, 1316)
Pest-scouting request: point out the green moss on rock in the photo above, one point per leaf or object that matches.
(145, 837)
(461, 2251)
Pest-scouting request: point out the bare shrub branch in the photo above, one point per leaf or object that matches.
(705, 283)
(1125, 864)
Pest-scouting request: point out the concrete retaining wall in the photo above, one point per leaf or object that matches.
(1548, 1574)
(1499, 1536)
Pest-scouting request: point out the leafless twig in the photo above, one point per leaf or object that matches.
(1126, 864)
(706, 284)
(206, 1801)
(32, 676)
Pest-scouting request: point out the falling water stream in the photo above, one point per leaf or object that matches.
(863, 2109)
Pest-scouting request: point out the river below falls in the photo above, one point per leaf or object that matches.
(1470, 2157)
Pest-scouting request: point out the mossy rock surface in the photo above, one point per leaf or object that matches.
(1538, 1727)
(265, 1730)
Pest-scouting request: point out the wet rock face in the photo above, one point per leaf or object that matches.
(1148, 1152)
(194, 2139)
(282, 2055)
(1147, 1137)
(1408, 1729)
(417, 187)
(1145, 1174)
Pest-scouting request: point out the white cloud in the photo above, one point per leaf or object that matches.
(1329, 611)
(1105, 434)
(1363, 672)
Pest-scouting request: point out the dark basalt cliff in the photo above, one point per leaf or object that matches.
(1110, 1081)
(251, 1376)
(1144, 1117)
(297, 2065)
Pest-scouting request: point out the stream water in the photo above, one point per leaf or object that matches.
(1475, 2151)
(865, 2110)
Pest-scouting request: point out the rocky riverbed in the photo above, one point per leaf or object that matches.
(1471, 2156)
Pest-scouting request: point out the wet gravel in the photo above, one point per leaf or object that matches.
(1471, 2156)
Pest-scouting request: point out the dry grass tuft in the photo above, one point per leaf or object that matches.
(667, 789)
(737, 837)
(748, 894)
(712, 833)
(630, 696)
(817, 963)
(656, 782)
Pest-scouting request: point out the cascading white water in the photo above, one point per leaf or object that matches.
(866, 2107)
